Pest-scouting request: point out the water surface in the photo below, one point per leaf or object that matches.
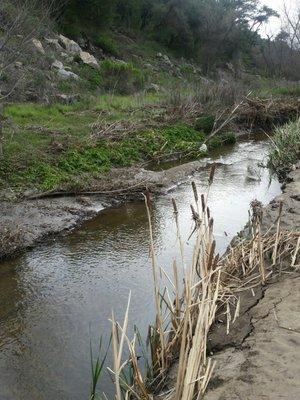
(55, 297)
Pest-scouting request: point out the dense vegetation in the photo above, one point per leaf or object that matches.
(209, 31)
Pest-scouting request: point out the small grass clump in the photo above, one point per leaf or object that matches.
(205, 123)
(285, 147)
(292, 90)
(121, 77)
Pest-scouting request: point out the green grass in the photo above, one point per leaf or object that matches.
(293, 90)
(51, 146)
(83, 161)
(285, 147)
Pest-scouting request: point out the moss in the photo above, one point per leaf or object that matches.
(205, 123)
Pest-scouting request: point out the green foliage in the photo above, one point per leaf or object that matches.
(221, 140)
(285, 146)
(205, 123)
(194, 28)
(106, 43)
(292, 90)
(121, 77)
(92, 76)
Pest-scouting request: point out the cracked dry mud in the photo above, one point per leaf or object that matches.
(260, 357)
(267, 363)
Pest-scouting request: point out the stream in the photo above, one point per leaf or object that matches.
(57, 297)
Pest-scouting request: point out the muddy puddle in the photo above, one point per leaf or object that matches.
(57, 296)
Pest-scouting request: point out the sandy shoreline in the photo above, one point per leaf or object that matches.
(28, 222)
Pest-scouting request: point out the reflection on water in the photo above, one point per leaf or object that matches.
(53, 296)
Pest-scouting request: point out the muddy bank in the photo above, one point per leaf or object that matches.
(264, 336)
(262, 347)
(266, 364)
(25, 223)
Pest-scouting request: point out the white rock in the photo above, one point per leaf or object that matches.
(203, 148)
(88, 59)
(69, 45)
(38, 46)
(54, 43)
(65, 75)
(57, 65)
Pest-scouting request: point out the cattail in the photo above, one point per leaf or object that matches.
(195, 191)
(174, 206)
(212, 174)
(208, 213)
(147, 197)
(203, 202)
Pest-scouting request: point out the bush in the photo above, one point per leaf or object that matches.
(106, 43)
(205, 123)
(222, 139)
(121, 77)
(91, 75)
(285, 150)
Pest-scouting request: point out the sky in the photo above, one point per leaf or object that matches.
(274, 25)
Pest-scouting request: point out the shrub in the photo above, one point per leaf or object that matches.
(91, 75)
(285, 150)
(222, 139)
(106, 43)
(121, 77)
(205, 123)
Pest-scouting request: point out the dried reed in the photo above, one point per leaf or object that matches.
(210, 285)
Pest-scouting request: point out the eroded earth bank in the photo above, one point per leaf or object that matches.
(260, 358)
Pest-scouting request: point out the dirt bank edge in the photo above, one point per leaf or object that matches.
(28, 222)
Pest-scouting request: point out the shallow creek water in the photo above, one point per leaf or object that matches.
(57, 296)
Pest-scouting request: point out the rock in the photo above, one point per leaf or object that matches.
(203, 148)
(38, 46)
(165, 59)
(54, 43)
(69, 45)
(88, 59)
(67, 98)
(57, 65)
(65, 75)
(154, 88)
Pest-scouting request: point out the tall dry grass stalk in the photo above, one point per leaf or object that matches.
(188, 302)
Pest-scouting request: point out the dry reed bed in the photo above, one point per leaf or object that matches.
(188, 302)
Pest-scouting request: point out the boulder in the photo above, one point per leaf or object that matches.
(38, 46)
(69, 45)
(65, 75)
(153, 88)
(67, 98)
(165, 59)
(203, 148)
(54, 43)
(88, 59)
(57, 65)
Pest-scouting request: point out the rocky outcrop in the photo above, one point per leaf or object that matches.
(38, 46)
(88, 59)
(69, 45)
(65, 75)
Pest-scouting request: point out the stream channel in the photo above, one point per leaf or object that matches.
(57, 296)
